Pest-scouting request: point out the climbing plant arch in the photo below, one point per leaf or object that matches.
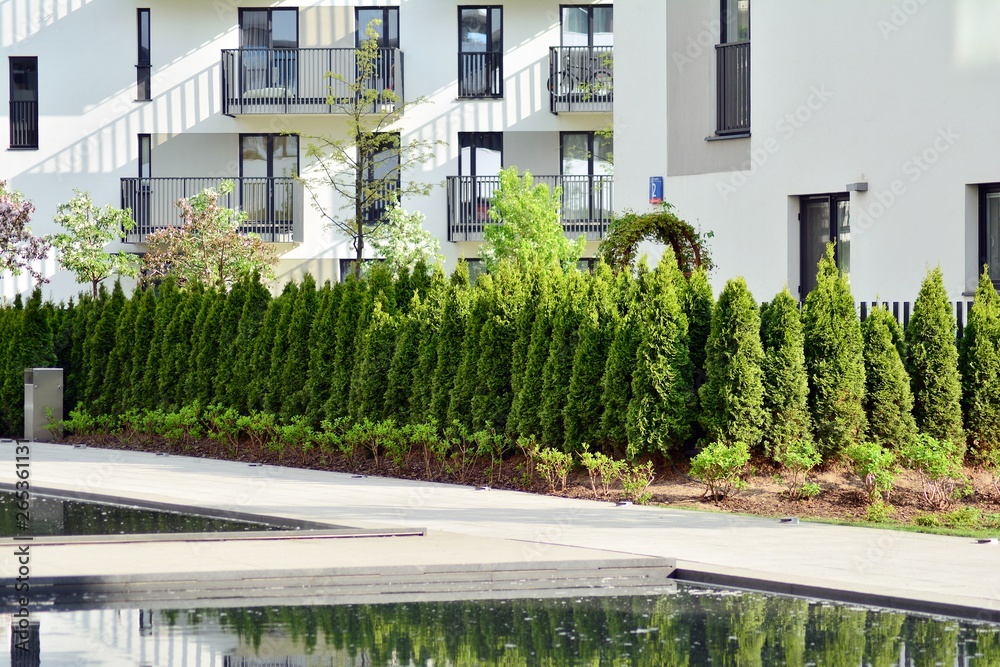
(630, 228)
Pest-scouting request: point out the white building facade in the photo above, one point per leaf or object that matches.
(776, 125)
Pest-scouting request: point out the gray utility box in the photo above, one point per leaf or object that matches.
(43, 391)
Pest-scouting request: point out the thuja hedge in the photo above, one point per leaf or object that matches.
(626, 364)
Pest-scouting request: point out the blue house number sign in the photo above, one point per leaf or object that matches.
(655, 189)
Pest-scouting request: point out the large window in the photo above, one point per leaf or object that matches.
(268, 163)
(480, 51)
(989, 230)
(733, 69)
(586, 170)
(143, 60)
(388, 28)
(382, 178)
(592, 25)
(24, 102)
(823, 218)
(480, 159)
(269, 40)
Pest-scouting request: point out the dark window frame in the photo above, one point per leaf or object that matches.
(21, 137)
(590, 20)
(145, 146)
(270, 31)
(592, 136)
(724, 36)
(471, 136)
(495, 50)
(986, 189)
(270, 136)
(370, 212)
(143, 67)
(358, 28)
(833, 233)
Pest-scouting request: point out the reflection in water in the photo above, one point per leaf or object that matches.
(694, 626)
(58, 516)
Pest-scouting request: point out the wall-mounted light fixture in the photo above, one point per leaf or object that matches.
(858, 187)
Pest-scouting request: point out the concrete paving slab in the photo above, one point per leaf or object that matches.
(930, 568)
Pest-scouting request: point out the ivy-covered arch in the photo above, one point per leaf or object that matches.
(629, 229)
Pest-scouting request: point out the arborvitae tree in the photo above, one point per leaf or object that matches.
(450, 341)
(322, 349)
(483, 302)
(616, 386)
(81, 371)
(558, 369)
(492, 399)
(204, 350)
(296, 368)
(522, 337)
(584, 410)
(229, 326)
(932, 360)
(348, 333)
(404, 361)
(430, 330)
(116, 370)
(142, 338)
(661, 411)
(236, 391)
(62, 335)
(31, 346)
(100, 345)
(403, 291)
(980, 364)
(422, 279)
(786, 383)
(273, 391)
(732, 398)
(834, 359)
(888, 401)
(147, 388)
(68, 343)
(383, 288)
(525, 415)
(697, 303)
(6, 370)
(367, 398)
(176, 350)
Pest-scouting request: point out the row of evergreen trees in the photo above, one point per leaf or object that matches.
(627, 363)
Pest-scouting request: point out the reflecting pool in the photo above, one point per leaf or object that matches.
(693, 626)
(59, 516)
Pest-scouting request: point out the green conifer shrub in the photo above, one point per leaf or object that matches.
(147, 394)
(176, 350)
(295, 371)
(116, 370)
(229, 326)
(454, 317)
(272, 392)
(99, 346)
(888, 401)
(697, 301)
(322, 350)
(980, 368)
(142, 339)
(483, 302)
(349, 318)
(786, 383)
(525, 416)
(732, 397)
(238, 388)
(932, 361)
(404, 361)
(558, 371)
(834, 359)
(204, 350)
(32, 346)
(430, 331)
(374, 357)
(616, 389)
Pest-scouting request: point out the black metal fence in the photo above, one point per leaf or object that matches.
(275, 81)
(902, 310)
(480, 74)
(24, 124)
(733, 88)
(270, 204)
(581, 78)
(587, 204)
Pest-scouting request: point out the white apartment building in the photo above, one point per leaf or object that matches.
(862, 122)
(141, 102)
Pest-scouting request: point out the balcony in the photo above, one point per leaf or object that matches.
(587, 204)
(733, 88)
(24, 124)
(273, 205)
(296, 81)
(581, 79)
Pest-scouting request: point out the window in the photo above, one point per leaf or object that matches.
(382, 178)
(585, 170)
(733, 69)
(590, 26)
(143, 62)
(145, 155)
(480, 52)
(388, 30)
(268, 163)
(480, 159)
(24, 102)
(989, 230)
(269, 42)
(823, 218)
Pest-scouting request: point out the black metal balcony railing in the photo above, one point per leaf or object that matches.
(733, 88)
(581, 78)
(480, 74)
(273, 205)
(587, 204)
(279, 81)
(24, 124)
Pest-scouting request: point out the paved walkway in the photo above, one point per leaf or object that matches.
(931, 568)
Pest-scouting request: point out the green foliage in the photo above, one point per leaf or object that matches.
(939, 465)
(100, 344)
(602, 470)
(206, 349)
(175, 350)
(147, 371)
(239, 387)
(554, 466)
(698, 302)
(720, 466)
(834, 360)
(525, 416)
(798, 457)
(404, 362)
(629, 229)
(616, 389)
(422, 391)
(875, 466)
(980, 368)
(733, 394)
(371, 369)
(636, 479)
(878, 511)
(296, 363)
(661, 410)
(349, 322)
(404, 243)
(322, 349)
(88, 230)
(466, 374)
(116, 371)
(229, 328)
(491, 402)
(888, 401)
(558, 370)
(276, 351)
(932, 361)
(786, 383)
(30, 345)
(526, 227)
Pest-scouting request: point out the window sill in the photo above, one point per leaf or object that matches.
(725, 137)
(22, 148)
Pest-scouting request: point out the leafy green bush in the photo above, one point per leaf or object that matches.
(963, 517)
(719, 466)
(939, 465)
(426, 437)
(602, 470)
(810, 490)
(554, 466)
(635, 479)
(878, 511)
(222, 425)
(798, 457)
(927, 520)
(260, 428)
(875, 466)
(491, 443)
(296, 434)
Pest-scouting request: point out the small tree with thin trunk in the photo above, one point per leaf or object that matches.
(88, 230)
(363, 166)
(18, 247)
